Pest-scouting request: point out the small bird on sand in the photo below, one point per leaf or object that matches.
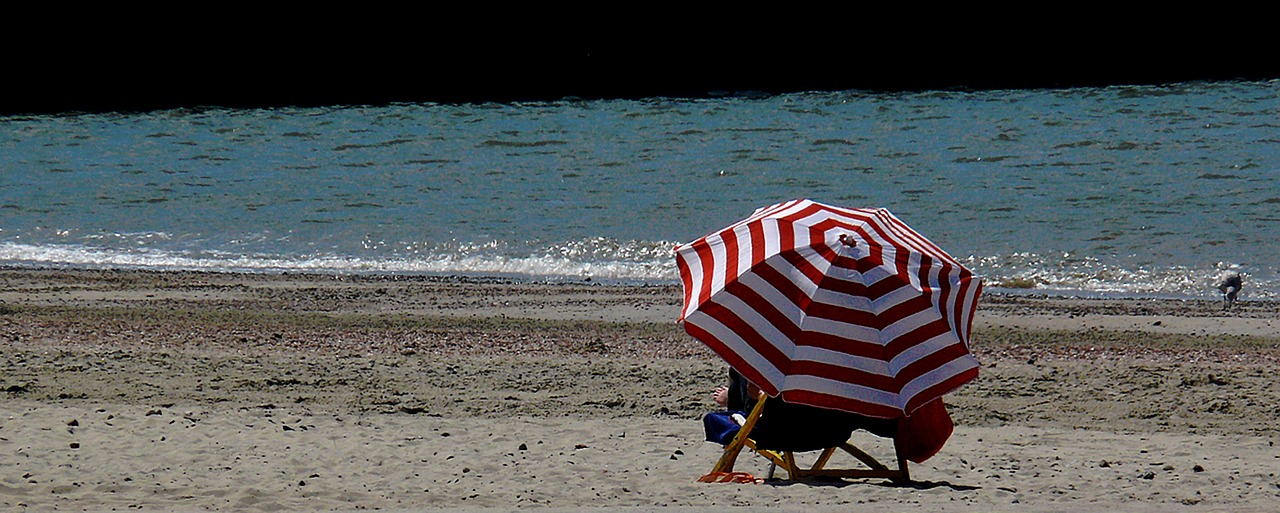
(1230, 284)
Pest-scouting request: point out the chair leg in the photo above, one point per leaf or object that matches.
(731, 451)
(865, 458)
(793, 470)
(730, 455)
(822, 458)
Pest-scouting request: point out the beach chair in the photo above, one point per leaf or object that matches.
(778, 430)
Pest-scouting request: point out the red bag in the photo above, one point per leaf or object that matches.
(923, 434)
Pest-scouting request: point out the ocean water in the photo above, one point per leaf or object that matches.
(1116, 191)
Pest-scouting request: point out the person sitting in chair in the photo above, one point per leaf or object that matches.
(737, 399)
(740, 395)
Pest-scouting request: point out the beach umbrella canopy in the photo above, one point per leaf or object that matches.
(841, 308)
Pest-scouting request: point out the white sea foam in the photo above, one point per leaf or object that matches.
(466, 263)
(1067, 275)
(637, 263)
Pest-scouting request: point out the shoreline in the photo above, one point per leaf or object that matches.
(1013, 293)
(192, 391)
(387, 299)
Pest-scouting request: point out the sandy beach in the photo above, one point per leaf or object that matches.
(183, 391)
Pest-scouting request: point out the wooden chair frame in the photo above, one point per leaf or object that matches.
(787, 459)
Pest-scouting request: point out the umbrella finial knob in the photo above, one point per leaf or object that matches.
(848, 241)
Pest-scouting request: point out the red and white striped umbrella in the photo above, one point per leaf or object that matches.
(842, 308)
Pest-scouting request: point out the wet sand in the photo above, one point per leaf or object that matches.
(179, 391)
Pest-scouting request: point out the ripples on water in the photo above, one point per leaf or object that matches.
(1122, 190)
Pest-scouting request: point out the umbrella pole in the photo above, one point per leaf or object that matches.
(902, 462)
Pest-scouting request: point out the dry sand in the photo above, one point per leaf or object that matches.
(193, 391)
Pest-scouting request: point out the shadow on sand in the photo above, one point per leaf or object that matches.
(840, 483)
